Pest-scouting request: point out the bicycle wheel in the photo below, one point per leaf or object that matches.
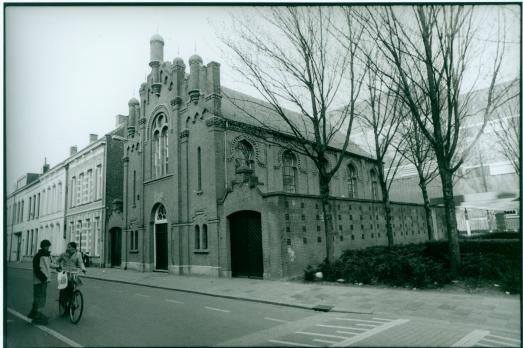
(76, 307)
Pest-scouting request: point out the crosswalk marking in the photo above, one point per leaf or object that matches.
(292, 343)
(347, 333)
(370, 333)
(320, 334)
(368, 325)
(362, 320)
(174, 301)
(471, 339)
(278, 320)
(217, 309)
(383, 319)
(504, 338)
(497, 342)
(324, 341)
(341, 327)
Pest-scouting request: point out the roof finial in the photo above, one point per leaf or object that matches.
(195, 47)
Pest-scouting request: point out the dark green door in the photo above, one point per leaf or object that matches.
(116, 247)
(161, 246)
(246, 244)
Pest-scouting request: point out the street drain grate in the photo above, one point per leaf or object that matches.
(322, 308)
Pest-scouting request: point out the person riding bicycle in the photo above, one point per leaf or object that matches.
(70, 261)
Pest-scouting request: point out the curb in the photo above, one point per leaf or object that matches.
(284, 304)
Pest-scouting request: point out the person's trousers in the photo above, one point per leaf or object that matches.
(39, 296)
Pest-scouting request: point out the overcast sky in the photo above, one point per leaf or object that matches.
(71, 70)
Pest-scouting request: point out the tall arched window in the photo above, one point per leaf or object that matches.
(245, 157)
(374, 184)
(351, 181)
(204, 237)
(289, 171)
(160, 146)
(196, 237)
(199, 159)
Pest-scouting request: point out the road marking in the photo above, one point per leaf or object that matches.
(293, 343)
(341, 327)
(320, 334)
(46, 329)
(174, 301)
(504, 338)
(278, 320)
(324, 341)
(347, 333)
(137, 294)
(498, 342)
(370, 325)
(471, 339)
(370, 333)
(383, 319)
(218, 309)
(362, 320)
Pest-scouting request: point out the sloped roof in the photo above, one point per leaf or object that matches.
(261, 114)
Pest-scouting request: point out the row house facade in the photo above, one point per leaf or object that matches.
(209, 191)
(68, 202)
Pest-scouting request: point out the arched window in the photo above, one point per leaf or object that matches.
(289, 171)
(374, 184)
(161, 214)
(196, 237)
(245, 155)
(204, 237)
(160, 146)
(351, 181)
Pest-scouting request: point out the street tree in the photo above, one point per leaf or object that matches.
(431, 48)
(382, 116)
(416, 149)
(289, 55)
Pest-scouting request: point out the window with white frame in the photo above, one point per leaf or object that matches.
(351, 181)
(289, 171)
(160, 146)
(90, 186)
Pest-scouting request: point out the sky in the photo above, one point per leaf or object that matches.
(70, 70)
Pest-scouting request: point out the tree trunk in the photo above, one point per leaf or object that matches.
(388, 214)
(450, 216)
(428, 213)
(327, 217)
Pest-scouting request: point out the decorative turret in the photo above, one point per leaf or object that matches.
(132, 116)
(156, 44)
(46, 166)
(194, 78)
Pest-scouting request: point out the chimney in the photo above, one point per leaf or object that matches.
(120, 119)
(93, 138)
(45, 168)
(73, 150)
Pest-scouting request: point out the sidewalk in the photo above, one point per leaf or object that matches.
(494, 311)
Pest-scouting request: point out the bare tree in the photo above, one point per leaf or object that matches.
(416, 149)
(382, 116)
(430, 49)
(293, 61)
(506, 129)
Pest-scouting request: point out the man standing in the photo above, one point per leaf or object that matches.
(41, 273)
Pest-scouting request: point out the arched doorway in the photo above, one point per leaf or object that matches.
(246, 244)
(160, 239)
(115, 247)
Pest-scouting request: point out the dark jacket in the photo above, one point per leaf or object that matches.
(41, 266)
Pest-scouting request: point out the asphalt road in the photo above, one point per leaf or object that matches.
(126, 315)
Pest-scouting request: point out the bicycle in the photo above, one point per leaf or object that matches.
(75, 301)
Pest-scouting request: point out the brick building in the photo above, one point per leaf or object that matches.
(204, 193)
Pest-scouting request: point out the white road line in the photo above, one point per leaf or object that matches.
(278, 320)
(508, 344)
(320, 334)
(348, 333)
(324, 341)
(370, 325)
(362, 320)
(218, 309)
(370, 333)
(142, 295)
(383, 319)
(292, 343)
(504, 338)
(341, 327)
(471, 339)
(174, 301)
(46, 329)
